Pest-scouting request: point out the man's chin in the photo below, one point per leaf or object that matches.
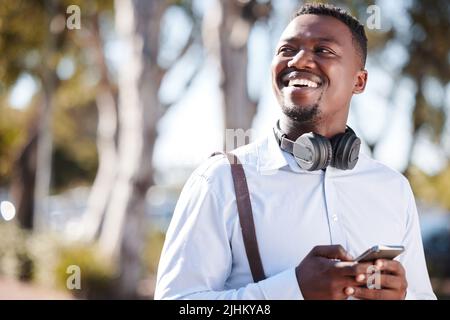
(302, 113)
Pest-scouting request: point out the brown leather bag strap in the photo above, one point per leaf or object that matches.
(245, 216)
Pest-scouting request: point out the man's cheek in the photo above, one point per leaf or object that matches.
(277, 66)
(338, 89)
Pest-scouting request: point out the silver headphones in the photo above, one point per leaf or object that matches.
(313, 151)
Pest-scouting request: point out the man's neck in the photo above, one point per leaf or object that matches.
(294, 128)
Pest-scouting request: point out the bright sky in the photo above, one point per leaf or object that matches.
(192, 129)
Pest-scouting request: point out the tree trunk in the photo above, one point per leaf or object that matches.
(419, 118)
(138, 25)
(44, 151)
(226, 30)
(100, 193)
(44, 131)
(107, 130)
(23, 180)
(234, 32)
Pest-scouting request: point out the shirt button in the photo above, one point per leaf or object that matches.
(335, 217)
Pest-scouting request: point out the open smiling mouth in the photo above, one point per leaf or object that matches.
(301, 80)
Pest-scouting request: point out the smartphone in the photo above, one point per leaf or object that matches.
(380, 252)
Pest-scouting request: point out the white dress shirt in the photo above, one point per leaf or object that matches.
(293, 210)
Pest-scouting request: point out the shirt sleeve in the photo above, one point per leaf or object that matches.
(413, 259)
(196, 259)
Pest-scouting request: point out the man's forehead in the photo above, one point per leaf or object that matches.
(316, 26)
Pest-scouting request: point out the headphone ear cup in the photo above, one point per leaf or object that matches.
(312, 151)
(345, 150)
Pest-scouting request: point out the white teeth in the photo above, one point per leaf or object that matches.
(303, 82)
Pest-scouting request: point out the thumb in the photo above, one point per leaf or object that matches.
(332, 252)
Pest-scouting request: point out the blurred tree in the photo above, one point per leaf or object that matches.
(139, 110)
(24, 173)
(17, 42)
(40, 49)
(17, 169)
(429, 52)
(49, 79)
(107, 129)
(226, 31)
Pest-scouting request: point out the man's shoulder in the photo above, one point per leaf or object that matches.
(381, 170)
(218, 166)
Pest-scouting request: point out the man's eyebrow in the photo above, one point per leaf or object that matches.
(322, 39)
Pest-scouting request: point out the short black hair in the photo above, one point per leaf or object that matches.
(356, 28)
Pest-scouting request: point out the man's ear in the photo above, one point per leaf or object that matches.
(361, 80)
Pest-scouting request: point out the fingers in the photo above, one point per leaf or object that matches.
(391, 282)
(368, 294)
(332, 252)
(350, 285)
(385, 281)
(354, 269)
(388, 286)
(390, 266)
(344, 287)
(382, 265)
(349, 291)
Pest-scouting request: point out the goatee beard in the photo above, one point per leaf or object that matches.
(302, 114)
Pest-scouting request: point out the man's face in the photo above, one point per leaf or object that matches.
(316, 69)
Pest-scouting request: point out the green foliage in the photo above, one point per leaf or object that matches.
(97, 274)
(152, 250)
(15, 257)
(12, 137)
(44, 250)
(21, 31)
(28, 45)
(431, 189)
(74, 128)
(44, 259)
(429, 50)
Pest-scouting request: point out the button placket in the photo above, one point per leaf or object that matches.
(332, 205)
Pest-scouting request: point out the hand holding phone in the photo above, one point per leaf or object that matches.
(392, 280)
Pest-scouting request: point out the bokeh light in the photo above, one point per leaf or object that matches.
(7, 210)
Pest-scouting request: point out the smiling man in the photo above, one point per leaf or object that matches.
(287, 221)
(318, 66)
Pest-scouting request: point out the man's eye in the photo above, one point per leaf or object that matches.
(323, 50)
(286, 50)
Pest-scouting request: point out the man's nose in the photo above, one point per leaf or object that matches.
(303, 59)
